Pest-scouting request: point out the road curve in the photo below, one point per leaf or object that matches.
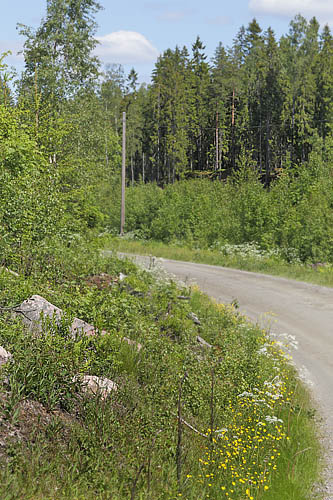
(283, 306)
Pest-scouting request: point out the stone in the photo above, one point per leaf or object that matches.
(33, 310)
(97, 386)
(9, 271)
(194, 318)
(5, 356)
(36, 307)
(203, 343)
(132, 343)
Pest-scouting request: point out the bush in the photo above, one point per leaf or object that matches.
(294, 215)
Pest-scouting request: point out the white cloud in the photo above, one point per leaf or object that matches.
(126, 47)
(322, 9)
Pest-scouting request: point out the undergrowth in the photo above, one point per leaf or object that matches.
(292, 217)
(187, 421)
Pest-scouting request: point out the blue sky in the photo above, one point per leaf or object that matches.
(134, 32)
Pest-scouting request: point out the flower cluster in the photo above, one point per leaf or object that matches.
(241, 457)
(251, 250)
(246, 250)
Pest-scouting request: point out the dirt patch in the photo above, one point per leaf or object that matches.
(102, 281)
(22, 422)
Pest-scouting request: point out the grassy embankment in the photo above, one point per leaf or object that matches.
(252, 431)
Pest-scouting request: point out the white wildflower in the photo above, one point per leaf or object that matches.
(273, 419)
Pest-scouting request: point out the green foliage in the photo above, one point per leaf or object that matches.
(266, 99)
(58, 53)
(29, 207)
(293, 216)
(259, 114)
(90, 447)
(18, 149)
(5, 78)
(45, 366)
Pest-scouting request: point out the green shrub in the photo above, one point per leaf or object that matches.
(294, 214)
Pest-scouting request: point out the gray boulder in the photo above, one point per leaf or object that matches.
(5, 356)
(33, 310)
(96, 386)
(203, 342)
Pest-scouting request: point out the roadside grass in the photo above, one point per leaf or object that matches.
(300, 456)
(187, 421)
(317, 274)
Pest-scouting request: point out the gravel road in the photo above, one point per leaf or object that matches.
(284, 307)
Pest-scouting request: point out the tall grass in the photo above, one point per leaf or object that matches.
(240, 403)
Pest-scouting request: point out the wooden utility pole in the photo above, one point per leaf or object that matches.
(233, 108)
(143, 168)
(233, 127)
(217, 142)
(123, 178)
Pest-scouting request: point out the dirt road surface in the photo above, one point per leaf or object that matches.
(284, 307)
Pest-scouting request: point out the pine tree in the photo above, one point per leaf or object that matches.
(324, 85)
(298, 52)
(254, 75)
(170, 95)
(133, 104)
(198, 76)
(225, 85)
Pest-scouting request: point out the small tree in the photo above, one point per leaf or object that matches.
(59, 52)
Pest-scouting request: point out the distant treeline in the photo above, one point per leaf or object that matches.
(264, 102)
